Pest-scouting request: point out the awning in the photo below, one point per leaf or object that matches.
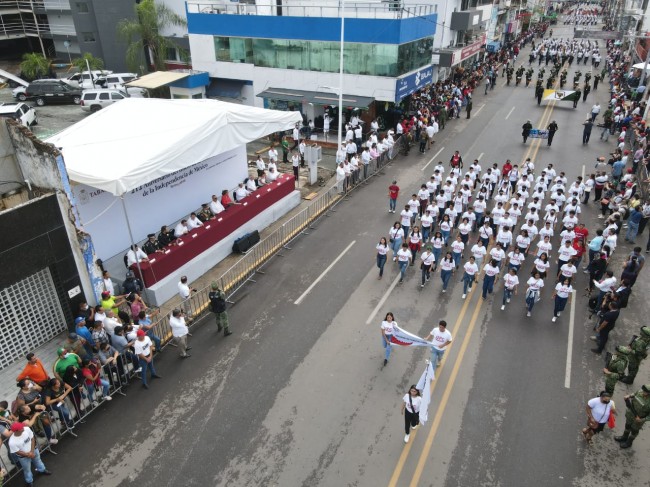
(131, 143)
(224, 88)
(157, 79)
(315, 97)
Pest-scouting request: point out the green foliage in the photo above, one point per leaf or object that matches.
(35, 66)
(94, 62)
(145, 43)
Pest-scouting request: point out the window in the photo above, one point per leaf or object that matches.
(170, 54)
(82, 7)
(116, 96)
(104, 96)
(88, 36)
(234, 49)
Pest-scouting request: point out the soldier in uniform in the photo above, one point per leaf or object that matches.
(639, 346)
(151, 246)
(587, 89)
(576, 76)
(218, 306)
(637, 412)
(577, 99)
(596, 81)
(529, 75)
(552, 128)
(550, 82)
(615, 369)
(206, 213)
(539, 92)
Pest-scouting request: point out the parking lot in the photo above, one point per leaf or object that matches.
(51, 118)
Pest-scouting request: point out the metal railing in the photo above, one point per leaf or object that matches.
(387, 9)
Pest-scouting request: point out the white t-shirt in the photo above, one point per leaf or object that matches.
(510, 281)
(417, 400)
(183, 290)
(568, 270)
(457, 247)
(382, 249)
(24, 441)
(440, 337)
(447, 265)
(470, 269)
(563, 291)
(565, 253)
(599, 411)
(516, 258)
(396, 233)
(406, 218)
(403, 255)
(387, 326)
(535, 284)
(541, 266)
(490, 270)
(427, 258)
(479, 251)
(178, 326)
(142, 347)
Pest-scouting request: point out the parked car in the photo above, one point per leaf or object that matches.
(45, 92)
(84, 80)
(116, 80)
(19, 92)
(95, 100)
(19, 111)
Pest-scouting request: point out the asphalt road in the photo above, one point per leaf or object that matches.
(297, 396)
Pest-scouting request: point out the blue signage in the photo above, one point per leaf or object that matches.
(413, 82)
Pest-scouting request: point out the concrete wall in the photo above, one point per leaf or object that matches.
(9, 170)
(106, 16)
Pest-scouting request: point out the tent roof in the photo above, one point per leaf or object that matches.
(157, 79)
(640, 66)
(137, 140)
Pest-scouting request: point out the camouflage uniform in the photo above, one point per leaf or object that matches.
(637, 406)
(615, 369)
(639, 346)
(218, 306)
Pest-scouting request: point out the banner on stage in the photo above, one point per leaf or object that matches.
(538, 134)
(406, 339)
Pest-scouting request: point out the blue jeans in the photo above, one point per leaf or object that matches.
(632, 230)
(156, 340)
(436, 355)
(479, 220)
(436, 253)
(457, 256)
(530, 302)
(105, 388)
(146, 365)
(467, 282)
(446, 277)
(396, 245)
(560, 304)
(26, 464)
(514, 266)
(381, 261)
(488, 285)
(406, 230)
(391, 204)
(426, 231)
(64, 414)
(402, 269)
(445, 235)
(507, 294)
(387, 347)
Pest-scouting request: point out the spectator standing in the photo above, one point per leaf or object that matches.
(144, 351)
(184, 291)
(23, 445)
(605, 326)
(598, 411)
(179, 331)
(218, 306)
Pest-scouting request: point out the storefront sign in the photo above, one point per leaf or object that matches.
(466, 52)
(413, 82)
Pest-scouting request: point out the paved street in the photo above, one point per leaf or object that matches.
(297, 396)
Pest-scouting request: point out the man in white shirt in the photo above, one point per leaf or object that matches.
(143, 348)
(108, 283)
(184, 291)
(110, 322)
(180, 332)
(273, 154)
(272, 175)
(193, 222)
(22, 444)
(240, 193)
(135, 254)
(215, 205)
(296, 137)
(340, 178)
(441, 338)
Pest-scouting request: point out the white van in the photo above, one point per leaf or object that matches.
(84, 80)
(116, 80)
(95, 100)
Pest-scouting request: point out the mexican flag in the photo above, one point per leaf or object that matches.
(560, 95)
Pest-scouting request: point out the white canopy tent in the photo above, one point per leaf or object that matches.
(640, 66)
(137, 140)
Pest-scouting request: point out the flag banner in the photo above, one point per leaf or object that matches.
(560, 95)
(538, 134)
(406, 339)
(424, 386)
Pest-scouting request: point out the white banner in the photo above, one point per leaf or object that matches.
(163, 201)
(405, 339)
(424, 386)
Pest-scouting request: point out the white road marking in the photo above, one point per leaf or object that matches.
(437, 154)
(479, 109)
(383, 298)
(329, 268)
(583, 173)
(480, 156)
(569, 342)
(510, 112)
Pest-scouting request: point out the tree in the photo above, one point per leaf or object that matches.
(145, 43)
(95, 63)
(35, 66)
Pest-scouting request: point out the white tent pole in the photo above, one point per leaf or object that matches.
(137, 262)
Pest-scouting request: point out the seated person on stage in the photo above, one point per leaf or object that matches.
(181, 229)
(205, 214)
(151, 246)
(272, 175)
(215, 205)
(165, 237)
(241, 192)
(261, 181)
(250, 185)
(135, 255)
(226, 200)
(194, 222)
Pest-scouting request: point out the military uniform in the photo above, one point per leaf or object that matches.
(615, 369)
(150, 246)
(205, 214)
(639, 346)
(637, 412)
(218, 306)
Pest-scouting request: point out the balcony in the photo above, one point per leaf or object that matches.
(376, 23)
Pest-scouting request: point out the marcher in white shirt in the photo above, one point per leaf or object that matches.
(441, 339)
(510, 285)
(179, 331)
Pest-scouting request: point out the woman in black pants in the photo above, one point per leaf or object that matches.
(411, 410)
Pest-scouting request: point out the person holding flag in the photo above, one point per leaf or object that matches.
(387, 329)
(441, 339)
(411, 410)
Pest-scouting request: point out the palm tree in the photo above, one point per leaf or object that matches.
(35, 66)
(95, 63)
(145, 43)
